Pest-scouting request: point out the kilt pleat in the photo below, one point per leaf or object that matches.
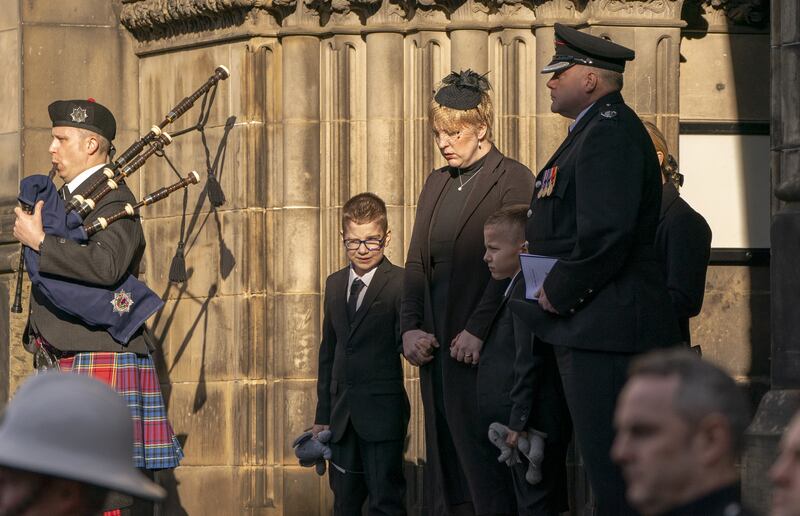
(134, 377)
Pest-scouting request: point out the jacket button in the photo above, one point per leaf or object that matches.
(530, 212)
(580, 300)
(590, 291)
(572, 310)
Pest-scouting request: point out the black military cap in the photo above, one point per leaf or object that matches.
(84, 114)
(576, 47)
(462, 90)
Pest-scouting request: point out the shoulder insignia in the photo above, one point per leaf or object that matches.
(609, 113)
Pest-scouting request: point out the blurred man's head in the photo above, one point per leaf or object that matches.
(785, 473)
(680, 428)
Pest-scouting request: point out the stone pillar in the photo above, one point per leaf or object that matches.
(385, 140)
(297, 280)
(469, 48)
(783, 399)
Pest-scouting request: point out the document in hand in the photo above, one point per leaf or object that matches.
(535, 269)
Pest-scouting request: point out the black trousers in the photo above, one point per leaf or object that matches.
(373, 470)
(549, 496)
(592, 381)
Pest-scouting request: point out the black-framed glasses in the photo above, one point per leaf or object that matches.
(372, 244)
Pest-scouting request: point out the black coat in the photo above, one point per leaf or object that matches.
(683, 240)
(107, 257)
(600, 220)
(360, 377)
(473, 300)
(722, 502)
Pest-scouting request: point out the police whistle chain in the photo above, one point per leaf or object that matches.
(220, 74)
(162, 193)
(16, 307)
(87, 204)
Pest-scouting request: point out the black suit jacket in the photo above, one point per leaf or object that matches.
(360, 375)
(103, 261)
(683, 240)
(600, 221)
(518, 380)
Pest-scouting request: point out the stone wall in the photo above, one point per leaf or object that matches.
(326, 99)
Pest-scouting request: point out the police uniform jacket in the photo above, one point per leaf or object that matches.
(596, 208)
(103, 261)
(360, 377)
(683, 241)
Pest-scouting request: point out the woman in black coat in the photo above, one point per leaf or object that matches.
(450, 299)
(683, 240)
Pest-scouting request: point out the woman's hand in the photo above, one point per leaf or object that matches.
(418, 347)
(466, 348)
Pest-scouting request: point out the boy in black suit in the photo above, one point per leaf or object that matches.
(518, 382)
(360, 394)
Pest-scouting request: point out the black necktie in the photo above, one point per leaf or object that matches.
(352, 301)
(63, 191)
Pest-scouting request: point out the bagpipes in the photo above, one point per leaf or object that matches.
(122, 308)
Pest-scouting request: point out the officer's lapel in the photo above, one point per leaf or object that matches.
(487, 177)
(379, 281)
(580, 126)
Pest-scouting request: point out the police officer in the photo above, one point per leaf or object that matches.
(595, 208)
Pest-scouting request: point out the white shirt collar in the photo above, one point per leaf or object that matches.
(580, 115)
(83, 176)
(511, 284)
(366, 278)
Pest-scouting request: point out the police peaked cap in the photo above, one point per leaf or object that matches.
(576, 47)
(83, 114)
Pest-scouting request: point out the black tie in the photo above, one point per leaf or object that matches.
(352, 301)
(63, 191)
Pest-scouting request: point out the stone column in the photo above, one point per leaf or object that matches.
(551, 128)
(783, 399)
(469, 48)
(297, 280)
(385, 141)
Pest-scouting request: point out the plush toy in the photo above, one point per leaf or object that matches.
(313, 451)
(531, 445)
(497, 435)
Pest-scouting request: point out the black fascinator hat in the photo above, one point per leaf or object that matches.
(462, 90)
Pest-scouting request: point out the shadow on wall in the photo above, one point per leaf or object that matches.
(180, 292)
(747, 22)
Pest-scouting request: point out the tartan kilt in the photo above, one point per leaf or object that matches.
(134, 377)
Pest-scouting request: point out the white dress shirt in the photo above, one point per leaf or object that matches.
(83, 176)
(366, 278)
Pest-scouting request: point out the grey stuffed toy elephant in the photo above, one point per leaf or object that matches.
(313, 451)
(530, 445)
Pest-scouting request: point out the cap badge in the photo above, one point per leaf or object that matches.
(608, 114)
(122, 302)
(78, 115)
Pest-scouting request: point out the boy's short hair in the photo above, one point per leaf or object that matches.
(514, 218)
(364, 208)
